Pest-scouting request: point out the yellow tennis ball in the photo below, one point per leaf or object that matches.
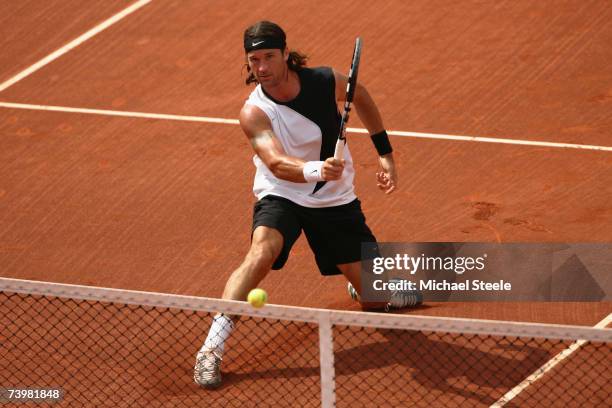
(257, 297)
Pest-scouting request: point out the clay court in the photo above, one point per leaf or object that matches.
(122, 164)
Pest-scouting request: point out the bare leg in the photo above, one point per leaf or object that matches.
(352, 272)
(266, 245)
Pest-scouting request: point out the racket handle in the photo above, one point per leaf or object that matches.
(339, 153)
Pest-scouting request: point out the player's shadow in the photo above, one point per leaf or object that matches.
(413, 364)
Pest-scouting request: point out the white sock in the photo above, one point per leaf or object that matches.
(220, 330)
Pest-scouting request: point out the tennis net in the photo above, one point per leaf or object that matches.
(108, 347)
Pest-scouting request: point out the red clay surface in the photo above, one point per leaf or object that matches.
(86, 200)
(165, 206)
(30, 29)
(148, 221)
(522, 69)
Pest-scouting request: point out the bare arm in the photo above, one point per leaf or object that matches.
(364, 104)
(370, 116)
(258, 130)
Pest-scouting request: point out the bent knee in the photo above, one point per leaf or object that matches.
(263, 254)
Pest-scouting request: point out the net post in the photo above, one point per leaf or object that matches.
(326, 361)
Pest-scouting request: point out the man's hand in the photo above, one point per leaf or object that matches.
(332, 169)
(387, 178)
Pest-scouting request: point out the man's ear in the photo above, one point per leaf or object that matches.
(286, 52)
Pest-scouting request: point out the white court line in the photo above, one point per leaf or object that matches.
(539, 373)
(74, 43)
(490, 140)
(126, 114)
(205, 119)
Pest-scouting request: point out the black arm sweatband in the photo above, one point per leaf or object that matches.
(381, 142)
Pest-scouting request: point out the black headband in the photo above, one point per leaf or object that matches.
(260, 43)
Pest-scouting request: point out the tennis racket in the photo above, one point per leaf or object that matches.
(350, 93)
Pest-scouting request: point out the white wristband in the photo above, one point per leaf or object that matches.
(313, 171)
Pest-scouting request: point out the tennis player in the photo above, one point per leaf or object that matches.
(292, 122)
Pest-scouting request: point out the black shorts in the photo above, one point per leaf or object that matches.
(335, 234)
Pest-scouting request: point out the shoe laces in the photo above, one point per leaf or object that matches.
(207, 364)
(403, 298)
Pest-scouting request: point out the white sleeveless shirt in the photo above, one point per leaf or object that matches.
(307, 128)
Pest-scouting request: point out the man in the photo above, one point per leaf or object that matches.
(292, 122)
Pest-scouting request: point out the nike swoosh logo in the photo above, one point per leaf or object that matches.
(255, 44)
(314, 171)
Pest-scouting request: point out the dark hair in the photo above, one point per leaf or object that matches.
(265, 28)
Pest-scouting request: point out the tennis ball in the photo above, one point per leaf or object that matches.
(257, 297)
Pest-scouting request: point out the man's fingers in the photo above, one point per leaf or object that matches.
(382, 178)
(387, 188)
(385, 182)
(335, 162)
(333, 169)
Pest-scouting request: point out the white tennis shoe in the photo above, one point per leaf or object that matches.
(352, 292)
(404, 298)
(207, 371)
(399, 298)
